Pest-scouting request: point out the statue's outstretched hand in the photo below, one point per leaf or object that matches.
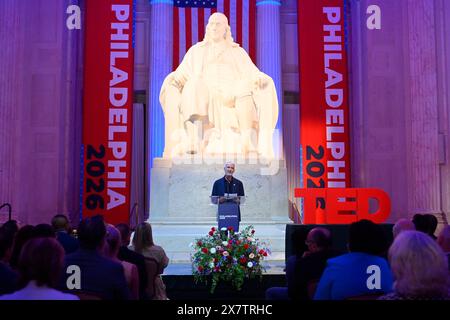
(177, 82)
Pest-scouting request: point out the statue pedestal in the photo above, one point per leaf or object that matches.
(180, 209)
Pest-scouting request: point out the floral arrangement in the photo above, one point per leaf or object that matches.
(228, 256)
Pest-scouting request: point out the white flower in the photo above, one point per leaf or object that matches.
(251, 255)
(212, 250)
(223, 229)
(191, 245)
(224, 243)
(225, 253)
(211, 265)
(250, 239)
(250, 264)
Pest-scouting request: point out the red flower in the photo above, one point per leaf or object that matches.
(199, 243)
(253, 231)
(246, 246)
(200, 268)
(230, 241)
(204, 250)
(261, 251)
(265, 254)
(213, 229)
(243, 260)
(211, 233)
(230, 228)
(238, 242)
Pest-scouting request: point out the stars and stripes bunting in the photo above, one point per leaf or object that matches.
(190, 18)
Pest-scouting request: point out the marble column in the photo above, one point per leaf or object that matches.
(358, 71)
(423, 165)
(11, 35)
(40, 114)
(70, 125)
(161, 43)
(268, 54)
(293, 161)
(394, 133)
(442, 10)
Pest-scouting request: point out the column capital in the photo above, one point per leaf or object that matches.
(161, 2)
(268, 3)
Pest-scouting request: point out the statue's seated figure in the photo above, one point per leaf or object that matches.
(217, 101)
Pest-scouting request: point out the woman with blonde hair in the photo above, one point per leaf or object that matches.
(420, 268)
(143, 244)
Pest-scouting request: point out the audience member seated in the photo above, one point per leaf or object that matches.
(40, 266)
(402, 225)
(302, 271)
(8, 278)
(420, 268)
(22, 236)
(135, 258)
(444, 242)
(311, 265)
(349, 275)
(111, 249)
(426, 223)
(432, 223)
(10, 226)
(61, 227)
(143, 244)
(43, 230)
(100, 275)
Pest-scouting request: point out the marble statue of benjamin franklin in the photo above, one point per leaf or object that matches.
(217, 101)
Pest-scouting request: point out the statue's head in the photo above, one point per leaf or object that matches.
(217, 29)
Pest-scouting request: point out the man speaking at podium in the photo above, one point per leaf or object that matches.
(228, 185)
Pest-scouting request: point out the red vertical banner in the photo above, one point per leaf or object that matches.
(324, 109)
(107, 109)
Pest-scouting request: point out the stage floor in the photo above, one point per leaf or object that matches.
(176, 239)
(273, 267)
